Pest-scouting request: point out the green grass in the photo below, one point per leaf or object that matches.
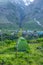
(9, 55)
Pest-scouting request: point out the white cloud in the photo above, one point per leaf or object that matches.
(31, 0)
(27, 2)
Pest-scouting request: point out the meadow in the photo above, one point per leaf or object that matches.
(9, 55)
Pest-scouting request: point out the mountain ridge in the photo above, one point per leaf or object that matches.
(18, 15)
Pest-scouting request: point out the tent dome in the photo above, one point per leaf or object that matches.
(22, 44)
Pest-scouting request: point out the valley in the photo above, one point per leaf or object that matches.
(21, 32)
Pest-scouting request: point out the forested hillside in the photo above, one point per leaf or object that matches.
(17, 14)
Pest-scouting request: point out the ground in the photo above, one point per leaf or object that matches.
(10, 56)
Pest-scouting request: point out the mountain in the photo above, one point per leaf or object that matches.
(11, 13)
(18, 13)
(34, 18)
(8, 16)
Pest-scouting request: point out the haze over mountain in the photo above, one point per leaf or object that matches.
(27, 14)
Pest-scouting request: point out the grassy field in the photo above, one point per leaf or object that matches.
(10, 56)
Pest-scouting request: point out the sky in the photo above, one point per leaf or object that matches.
(3, 0)
(18, 0)
(27, 2)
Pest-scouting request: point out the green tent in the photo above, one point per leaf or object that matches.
(22, 44)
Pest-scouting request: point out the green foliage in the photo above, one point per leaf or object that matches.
(40, 40)
(8, 41)
(8, 53)
(20, 33)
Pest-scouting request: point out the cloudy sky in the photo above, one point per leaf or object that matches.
(3, 0)
(18, 0)
(25, 1)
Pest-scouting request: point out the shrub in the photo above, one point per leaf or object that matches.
(40, 40)
(8, 41)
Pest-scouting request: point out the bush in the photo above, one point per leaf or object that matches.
(8, 41)
(40, 40)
